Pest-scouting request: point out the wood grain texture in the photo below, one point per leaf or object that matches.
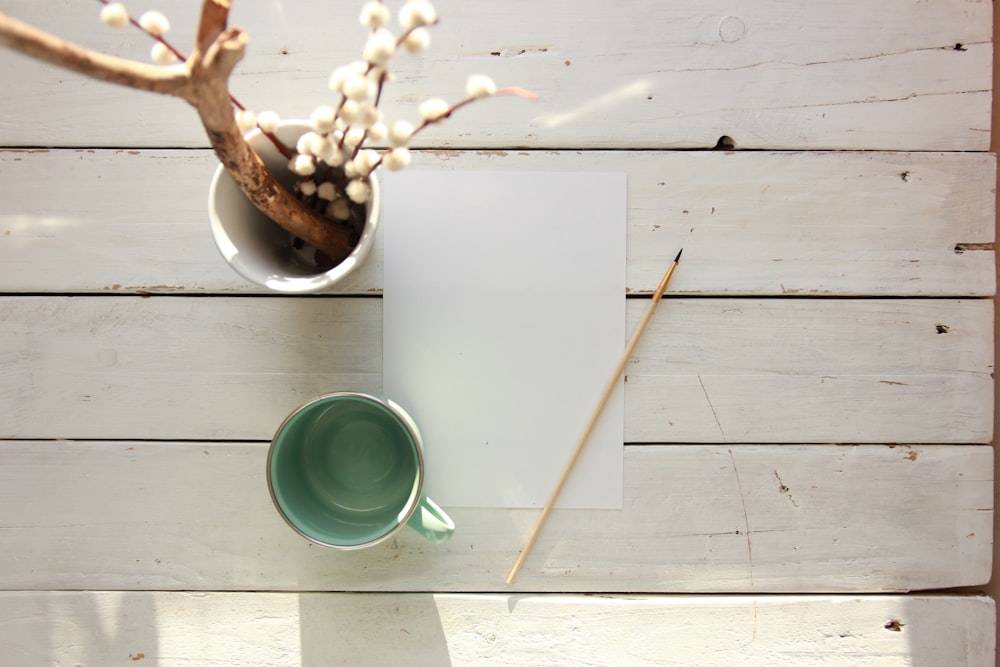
(124, 360)
(751, 372)
(112, 628)
(696, 518)
(707, 370)
(886, 74)
(754, 223)
(775, 370)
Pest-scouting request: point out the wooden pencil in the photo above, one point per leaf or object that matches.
(593, 418)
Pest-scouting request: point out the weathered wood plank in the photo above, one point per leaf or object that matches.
(746, 370)
(886, 74)
(696, 518)
(210, 368)
(707, 370)
(894, 75)
(109, 628)
(751, 223)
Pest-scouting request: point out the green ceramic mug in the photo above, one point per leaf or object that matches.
(346, 471)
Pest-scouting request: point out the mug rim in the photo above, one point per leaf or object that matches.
(408, 425)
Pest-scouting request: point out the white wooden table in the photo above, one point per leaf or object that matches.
(808, 418)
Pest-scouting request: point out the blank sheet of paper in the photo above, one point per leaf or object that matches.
(504, 317)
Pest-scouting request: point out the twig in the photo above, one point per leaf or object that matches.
(427, 122)
(593, 419)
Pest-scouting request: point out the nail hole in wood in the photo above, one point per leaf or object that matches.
(942, 328)
(725, 143)
(894, 626)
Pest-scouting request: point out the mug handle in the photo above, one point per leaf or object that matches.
(431, 521)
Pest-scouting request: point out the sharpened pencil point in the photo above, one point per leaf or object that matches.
(678, 257)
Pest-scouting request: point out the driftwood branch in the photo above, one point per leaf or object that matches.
(203, 81)
(214, 16)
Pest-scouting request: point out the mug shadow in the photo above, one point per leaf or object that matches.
(371, 628)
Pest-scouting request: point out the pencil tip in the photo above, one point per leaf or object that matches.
(678, 257)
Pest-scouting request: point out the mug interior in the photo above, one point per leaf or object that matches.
(344, 470)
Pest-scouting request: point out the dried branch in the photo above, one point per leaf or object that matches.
(203, 81)
(209, 95)
(214, 16)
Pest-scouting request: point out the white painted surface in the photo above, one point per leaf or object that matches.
(696, 518)
(880, 74)
(760, 223)
(708, 370)
(862, 77)
(422, 629)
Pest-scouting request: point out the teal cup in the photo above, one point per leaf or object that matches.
(346, 471)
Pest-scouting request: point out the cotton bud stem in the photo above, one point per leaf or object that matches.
(510, 90)
(159, 38)
(406, 33)
(519, 92)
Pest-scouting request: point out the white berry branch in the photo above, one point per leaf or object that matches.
(333, 160)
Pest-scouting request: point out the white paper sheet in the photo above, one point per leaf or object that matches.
(504, 317)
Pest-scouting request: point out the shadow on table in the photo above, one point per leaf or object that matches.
(371, 628)
(77, 628)
(945, 630)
